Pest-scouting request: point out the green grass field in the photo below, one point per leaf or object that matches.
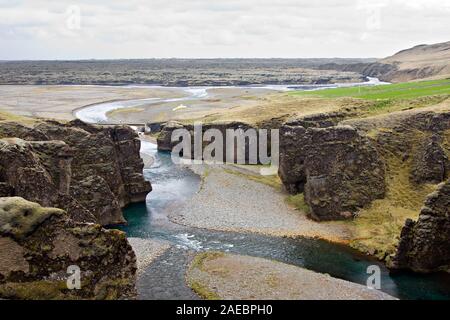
(407, 90)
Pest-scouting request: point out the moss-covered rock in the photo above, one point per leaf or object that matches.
(38, 244)
(19, 217)
(424, 244)
(339, 170)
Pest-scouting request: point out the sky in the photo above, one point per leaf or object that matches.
(110, 29)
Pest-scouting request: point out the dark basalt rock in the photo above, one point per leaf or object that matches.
(430, 162)
(90, 171)
(292, 158)
(424, 244)
(164, 140)
(165, 137)
(344, 173)
(38, 244)
(382, 71)
(39, 172)
(418, 138)
(339, 170)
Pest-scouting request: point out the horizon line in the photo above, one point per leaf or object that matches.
(181, 58)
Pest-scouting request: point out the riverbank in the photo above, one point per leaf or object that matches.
(147, 251)
(126, 104)
(59, 102)
(232, 202)
(216, 275)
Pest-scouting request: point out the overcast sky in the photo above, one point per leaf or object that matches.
(45, 29)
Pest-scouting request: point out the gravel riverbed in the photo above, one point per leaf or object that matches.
(229, 202)
(147, 251)
(227, 276)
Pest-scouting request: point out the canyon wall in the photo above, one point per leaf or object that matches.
(338, 169)
(90, 171)
(424, 244)
(244, 144)
(343, 165)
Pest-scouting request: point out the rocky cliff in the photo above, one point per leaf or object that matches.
(90, 171)
(377, 170)
(338, 169)
(242, 142)
(425, 244)
(340, 157)
(38, 245)
(383, 71)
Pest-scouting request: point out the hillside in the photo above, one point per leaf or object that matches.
(420, 62)
(416, 63)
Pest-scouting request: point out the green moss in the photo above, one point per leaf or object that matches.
(393, 105)
(272, 180)
(298, 202)
(376, 229)
(203, 292)
(19, 217)
(112, 289)
(36, 290)
(198, 263)
(201, 258)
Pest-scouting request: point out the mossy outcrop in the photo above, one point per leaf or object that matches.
(430, 163)
(37, 245)
(389, 163)
(339, 170)
(90, 171)
(424, 244)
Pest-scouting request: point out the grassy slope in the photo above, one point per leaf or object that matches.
(377, 227)
(6, 116)
(406, 90)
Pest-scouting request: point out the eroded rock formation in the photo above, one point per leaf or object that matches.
(339, 170)
(246, 142)
(90, 171)
(37, 245)
(425, 244)
(430, 162)
(340, 164)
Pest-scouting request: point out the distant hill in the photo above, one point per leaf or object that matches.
(420, 62)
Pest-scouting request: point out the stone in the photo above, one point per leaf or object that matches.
(165, 136)
(90, 171)
(38, 244)
(292, 158)
(338, 169)
(430, 162)
(424, 244)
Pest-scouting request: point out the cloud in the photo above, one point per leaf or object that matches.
(219, 28)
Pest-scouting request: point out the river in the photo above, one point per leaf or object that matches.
(173, 184)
